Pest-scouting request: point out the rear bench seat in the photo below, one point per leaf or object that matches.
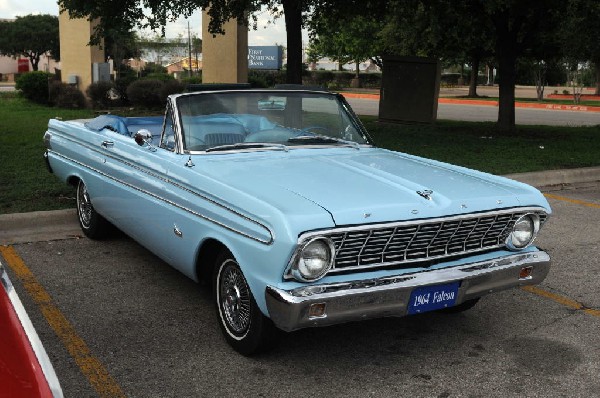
(128, 125)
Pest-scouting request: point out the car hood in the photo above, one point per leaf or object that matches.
(369, 185)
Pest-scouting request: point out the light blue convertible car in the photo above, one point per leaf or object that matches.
(282, 202)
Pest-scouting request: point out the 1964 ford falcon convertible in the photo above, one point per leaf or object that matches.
(281, 201)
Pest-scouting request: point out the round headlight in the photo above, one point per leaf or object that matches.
(523, 232)
(314, 259)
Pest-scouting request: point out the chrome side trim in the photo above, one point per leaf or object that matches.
(32, 335)
(389, 296)
(136, 188)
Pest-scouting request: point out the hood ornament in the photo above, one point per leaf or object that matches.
(426, 194)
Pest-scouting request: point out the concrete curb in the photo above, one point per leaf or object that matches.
(62, 224)
(38, 226)
(552, 180)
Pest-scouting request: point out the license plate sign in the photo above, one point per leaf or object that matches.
(431, 298)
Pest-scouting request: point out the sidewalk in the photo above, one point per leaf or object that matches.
(62, 224)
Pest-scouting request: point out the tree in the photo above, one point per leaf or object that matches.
(344, 41)
(30, 36)
(508, 29)
(130, 13)
(461, 34)
(580, 32)
(119, 45)
(517, 27)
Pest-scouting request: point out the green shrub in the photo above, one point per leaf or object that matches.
(257, 81)
(186, 81)
(320, 78)
(121, 85)
(34, 86)
(65, 96)
(152, 67)
(100, 94)
(371, 80)
(342, 79)
(54, 89)
(265, 78)
(146, 93)
(158, 76)
(171, 87)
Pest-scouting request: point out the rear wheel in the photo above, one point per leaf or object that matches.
(92, 224)
(244, 326)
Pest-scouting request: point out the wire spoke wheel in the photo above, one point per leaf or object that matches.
(234, 298)
(242, 322)
(84, 206)
(92, 224)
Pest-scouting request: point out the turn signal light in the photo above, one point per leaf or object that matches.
(526, 272)
(317, 310)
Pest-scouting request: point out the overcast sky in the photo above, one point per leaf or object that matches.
(273, 34)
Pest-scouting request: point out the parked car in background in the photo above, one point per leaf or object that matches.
(25, 369)
(282, 202)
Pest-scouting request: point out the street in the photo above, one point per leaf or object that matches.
(116, 321)
(482, 113)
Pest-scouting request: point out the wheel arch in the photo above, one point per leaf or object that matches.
(73, 180)
(206, 258)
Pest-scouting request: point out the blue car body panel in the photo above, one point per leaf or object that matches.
(258, 203)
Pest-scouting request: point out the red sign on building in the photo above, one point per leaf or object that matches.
(23, 65)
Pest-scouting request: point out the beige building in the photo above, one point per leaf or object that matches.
(77, 57)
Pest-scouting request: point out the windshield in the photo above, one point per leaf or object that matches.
(248, 119)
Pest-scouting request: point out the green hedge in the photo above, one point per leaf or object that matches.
(35, 86)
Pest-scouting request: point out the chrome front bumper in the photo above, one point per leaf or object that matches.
(389, 296)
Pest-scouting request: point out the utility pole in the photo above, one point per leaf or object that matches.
(189, 50)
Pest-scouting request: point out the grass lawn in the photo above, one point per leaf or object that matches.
(25, 184)
(479, 146)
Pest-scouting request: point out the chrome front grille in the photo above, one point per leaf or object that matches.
(421, 241)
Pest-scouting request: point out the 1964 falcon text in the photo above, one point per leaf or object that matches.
(281, 200)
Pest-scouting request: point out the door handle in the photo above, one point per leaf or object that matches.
(107, 144)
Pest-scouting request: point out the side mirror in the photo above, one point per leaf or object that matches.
(142, 137)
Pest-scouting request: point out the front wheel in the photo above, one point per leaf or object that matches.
(244, 326)
(93, 225)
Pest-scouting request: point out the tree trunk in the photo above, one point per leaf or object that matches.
(597, 63)
(474, 76)
(293, 25)
(540, 80)
(490, 74)
(34, 62)
(507, 80)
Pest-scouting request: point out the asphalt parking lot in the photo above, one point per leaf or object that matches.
(116, 321)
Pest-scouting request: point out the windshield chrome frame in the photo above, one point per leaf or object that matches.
(172, 102)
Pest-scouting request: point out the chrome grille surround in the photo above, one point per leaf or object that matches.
(402, 244)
